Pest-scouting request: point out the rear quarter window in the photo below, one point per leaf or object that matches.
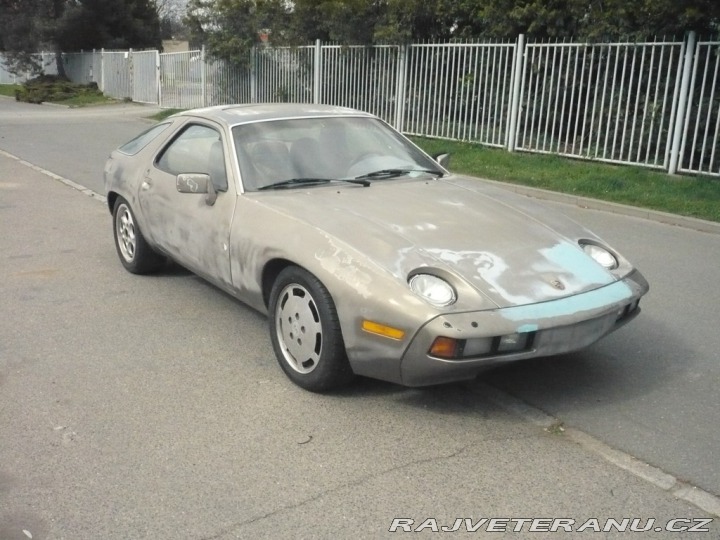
(133, 146)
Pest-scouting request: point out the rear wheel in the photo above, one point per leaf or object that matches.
(135, 253)
(305, 332)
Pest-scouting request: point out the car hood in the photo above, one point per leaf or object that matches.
(462, 228)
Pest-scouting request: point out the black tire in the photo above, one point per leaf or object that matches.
(135, 253)
(305, 332)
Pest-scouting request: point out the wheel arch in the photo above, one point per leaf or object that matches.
(270, 272)
(272, 268)
(112, 197)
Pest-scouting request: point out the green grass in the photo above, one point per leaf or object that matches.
(8, 89)
(162, 115)
(694, 196)
(85, 100)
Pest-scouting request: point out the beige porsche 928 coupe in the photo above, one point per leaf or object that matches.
(369, 257)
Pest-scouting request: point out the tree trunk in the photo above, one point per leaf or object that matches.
(60, 65)
(58, 8)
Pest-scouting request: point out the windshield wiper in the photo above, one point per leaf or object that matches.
(394, 173)
(294, 182)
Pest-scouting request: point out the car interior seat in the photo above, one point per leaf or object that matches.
(271, 161)
(305, 155)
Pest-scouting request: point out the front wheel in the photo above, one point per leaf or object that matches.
(135, 253)
(305, 332)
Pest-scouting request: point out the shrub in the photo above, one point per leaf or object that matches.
(53, 88)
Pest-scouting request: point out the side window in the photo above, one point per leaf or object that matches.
(198, 149)
(133, 146)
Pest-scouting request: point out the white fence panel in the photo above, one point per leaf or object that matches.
(459, 91)
(610, 102)
(117, 75)
(360, 77)
(700, 147)
(80, 67)
(181, 80)
(145, 79)
(283, 74)
(6, 77)
(227, 84)
(46, 60)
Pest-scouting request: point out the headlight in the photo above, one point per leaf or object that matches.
(601, 256)
(433, 289)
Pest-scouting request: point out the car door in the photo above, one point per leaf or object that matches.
(192, 228)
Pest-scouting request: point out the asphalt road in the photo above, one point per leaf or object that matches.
(73, 143)
(152, 407)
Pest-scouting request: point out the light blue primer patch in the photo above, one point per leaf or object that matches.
(597, 299)
(525, 328)
(578, 262)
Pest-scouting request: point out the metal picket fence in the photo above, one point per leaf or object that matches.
(363, 78)
(459, 91)
(282, 75)
(653, 104)
(611, 102)
(700, 144)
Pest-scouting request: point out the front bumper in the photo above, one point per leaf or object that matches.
(555, 327)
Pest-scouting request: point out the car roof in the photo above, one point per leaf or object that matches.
(233, 115)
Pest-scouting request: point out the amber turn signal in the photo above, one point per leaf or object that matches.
(383, 330)
(445, 347)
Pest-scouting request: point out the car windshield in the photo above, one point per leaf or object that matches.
(305, 151)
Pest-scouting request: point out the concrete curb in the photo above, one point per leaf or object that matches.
(657, 477)
(43, 103)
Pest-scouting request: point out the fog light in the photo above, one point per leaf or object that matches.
(478, 346)
(445, 347)
(512, 342)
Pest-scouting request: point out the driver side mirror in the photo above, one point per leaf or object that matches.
(197, 183)
(443, 159)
